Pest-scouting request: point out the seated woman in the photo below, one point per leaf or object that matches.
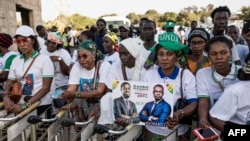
(38, 79)
(166, 54)
(233, 107)
(86, 82)
(211, 81)
(197, 39)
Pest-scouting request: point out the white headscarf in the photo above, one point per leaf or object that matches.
(134, 49)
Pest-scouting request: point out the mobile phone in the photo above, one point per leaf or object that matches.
(57, 93)
(205, 134)
(246, 26)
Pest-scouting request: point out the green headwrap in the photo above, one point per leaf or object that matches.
(169, 41)
(92, 47)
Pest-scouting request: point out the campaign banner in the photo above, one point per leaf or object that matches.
(142, 103)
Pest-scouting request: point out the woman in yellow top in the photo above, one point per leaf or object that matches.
(197, 40)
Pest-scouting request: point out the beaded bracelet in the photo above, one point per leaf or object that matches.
(23, 106)
(202, 121)
(78, 94)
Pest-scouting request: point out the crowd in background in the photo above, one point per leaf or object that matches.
(210, 69)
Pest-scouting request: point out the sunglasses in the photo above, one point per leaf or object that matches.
(80, 41)
(24, 40)
(83, 56)
(51, 42)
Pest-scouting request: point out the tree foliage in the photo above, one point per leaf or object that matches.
(152, 15)
(184, 17)
(77, 21)
(133, 17)
(168, 16)
(245, 12)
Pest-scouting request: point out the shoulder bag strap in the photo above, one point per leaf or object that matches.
(96, 75)
(124, 73)
(181, 83)
(29, 67)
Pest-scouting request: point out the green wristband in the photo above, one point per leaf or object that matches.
(23, 106)
(78, 94)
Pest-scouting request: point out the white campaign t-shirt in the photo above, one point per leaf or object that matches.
(80, 75)
(188, 83)
(5, 58)
(143, 53)
(138, 40)
(41, 42)
(233, 105)
(112, 58)
(60, 79)
(84, 78)
(207, 86)
(116, 73)
(33, 82)
(74, 57)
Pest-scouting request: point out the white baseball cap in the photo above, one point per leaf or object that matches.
(25, 31)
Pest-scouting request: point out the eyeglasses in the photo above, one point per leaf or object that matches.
(84, 56)
(51, 42)
(198, 43)
(23, 40)
(80, 40)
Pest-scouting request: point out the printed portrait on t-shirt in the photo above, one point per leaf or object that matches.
(86, 84)
(29, 84)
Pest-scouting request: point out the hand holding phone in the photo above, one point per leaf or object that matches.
(206, 134)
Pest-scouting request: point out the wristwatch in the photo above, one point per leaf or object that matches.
(59, 58)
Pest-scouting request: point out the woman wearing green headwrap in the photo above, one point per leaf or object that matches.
(81, 82)
(165, 55)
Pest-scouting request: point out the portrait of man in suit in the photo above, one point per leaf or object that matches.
(157, 110)
(124, 109)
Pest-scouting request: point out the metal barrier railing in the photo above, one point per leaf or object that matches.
(15, 125)
(48, 129)
(68, 122)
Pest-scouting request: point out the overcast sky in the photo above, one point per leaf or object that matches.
(95, 8)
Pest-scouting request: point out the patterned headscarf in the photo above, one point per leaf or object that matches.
(5, 40)
(92, 47)
(112, 36)
(55, 37)
(199, 32)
